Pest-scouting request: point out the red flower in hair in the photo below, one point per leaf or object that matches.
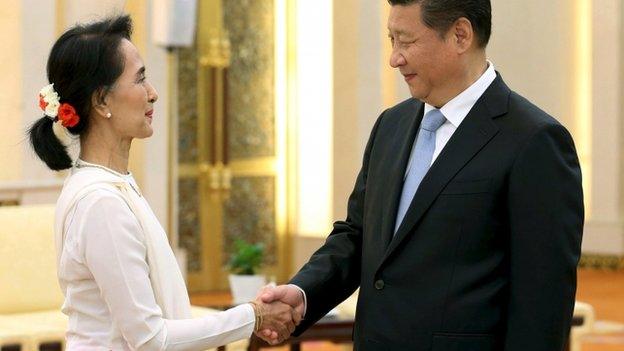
(42, 103)
(67, 115)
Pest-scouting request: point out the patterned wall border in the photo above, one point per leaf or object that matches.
(596, 261)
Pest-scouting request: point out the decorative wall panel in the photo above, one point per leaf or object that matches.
(249, 214)
(187, 105)
(188, 226)
(251, 126)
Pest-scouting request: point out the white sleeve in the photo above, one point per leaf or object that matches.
(115, 253)
(218, 329)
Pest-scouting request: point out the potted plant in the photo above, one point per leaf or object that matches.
(244, 264)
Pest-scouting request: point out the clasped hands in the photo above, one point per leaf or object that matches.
(281, 308)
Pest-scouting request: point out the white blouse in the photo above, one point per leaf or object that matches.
(104, 276)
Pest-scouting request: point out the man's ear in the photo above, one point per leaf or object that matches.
(99, 102)
(462, 34)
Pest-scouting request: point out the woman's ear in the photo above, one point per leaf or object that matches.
(98, 102)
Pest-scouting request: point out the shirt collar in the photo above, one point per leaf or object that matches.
(458, 108)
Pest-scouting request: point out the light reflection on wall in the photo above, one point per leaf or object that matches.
(313, 115)
(583, 93)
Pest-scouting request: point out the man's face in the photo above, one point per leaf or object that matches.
(428, 62)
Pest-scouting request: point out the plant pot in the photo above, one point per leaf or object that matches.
(245, 287)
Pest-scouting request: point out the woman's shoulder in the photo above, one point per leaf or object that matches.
(91, 190)
(81, 182)
(101, 211)
(104, 208)
(101, 203)
(102, 198)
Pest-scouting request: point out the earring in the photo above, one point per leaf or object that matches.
(108, 115)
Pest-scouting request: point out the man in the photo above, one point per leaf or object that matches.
(464, 227)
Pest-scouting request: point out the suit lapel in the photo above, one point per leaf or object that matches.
(471, 136)
(403, 142)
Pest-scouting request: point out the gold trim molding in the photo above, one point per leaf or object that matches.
(608, 262)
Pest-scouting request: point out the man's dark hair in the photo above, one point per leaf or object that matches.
(441, 14)
(84, 60)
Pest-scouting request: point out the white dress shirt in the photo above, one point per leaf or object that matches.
(104, 275)
(458, 108)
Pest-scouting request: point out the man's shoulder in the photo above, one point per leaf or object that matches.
(524, 113)
(401, 112)
(407, 106)
(527, 114)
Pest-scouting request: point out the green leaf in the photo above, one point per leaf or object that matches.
(247, 258)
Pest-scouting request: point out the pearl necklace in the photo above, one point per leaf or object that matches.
(82, 164)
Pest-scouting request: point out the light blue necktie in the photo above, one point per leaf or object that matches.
(420, 160)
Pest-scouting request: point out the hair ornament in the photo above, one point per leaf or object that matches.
(49, 102)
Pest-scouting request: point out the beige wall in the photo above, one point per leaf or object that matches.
(154, 156)
(74, 11)
(38, 33)
(532, 46)
(605, 230)
(138, 10)
(364, 85)
(607, 110)
(12, 131)
(346, 63)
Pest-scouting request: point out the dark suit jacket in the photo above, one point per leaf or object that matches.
(486, 256)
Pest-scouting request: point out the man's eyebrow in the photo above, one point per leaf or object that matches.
(397, 32)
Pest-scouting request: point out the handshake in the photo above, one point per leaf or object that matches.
(278, 309)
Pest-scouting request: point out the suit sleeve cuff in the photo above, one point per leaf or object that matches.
(305, 299)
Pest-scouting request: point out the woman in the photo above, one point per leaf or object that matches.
(123, 289)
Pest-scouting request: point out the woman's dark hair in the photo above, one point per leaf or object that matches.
(85, 60)
(441, 14)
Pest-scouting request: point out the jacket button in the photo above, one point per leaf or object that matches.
(379, 284)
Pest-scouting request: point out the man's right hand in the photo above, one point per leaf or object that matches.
(287, 294)
(278, 317)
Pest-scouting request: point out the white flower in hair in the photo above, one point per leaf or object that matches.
(47, 90)
(49, 100)
(52, 108)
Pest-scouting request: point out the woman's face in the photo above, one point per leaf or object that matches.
(131, 99)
